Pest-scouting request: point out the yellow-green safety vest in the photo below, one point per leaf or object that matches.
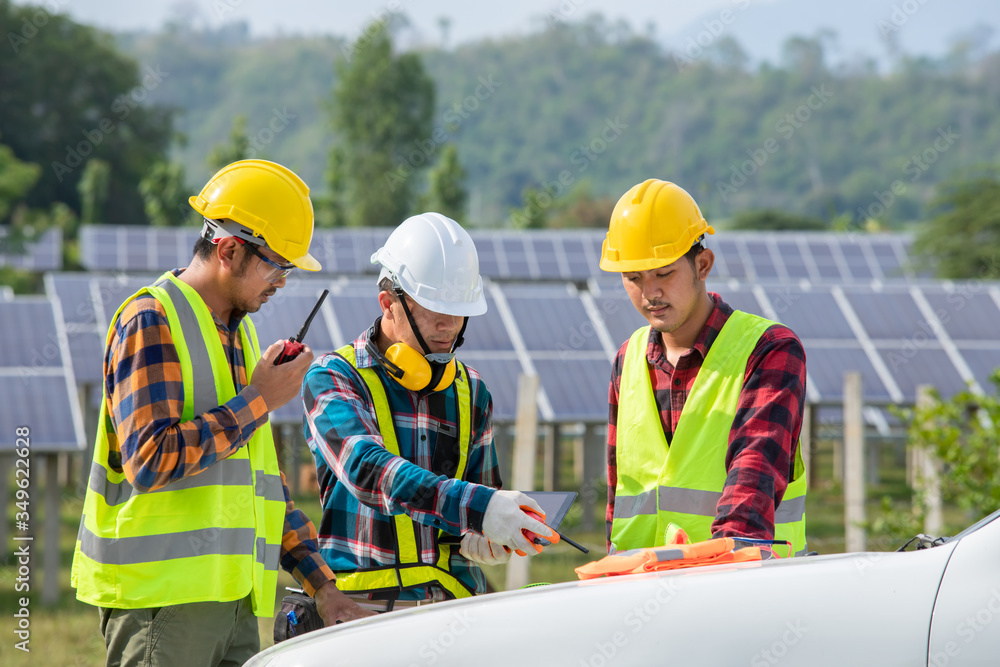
(409, 571)
(213, 536)
(682, 482)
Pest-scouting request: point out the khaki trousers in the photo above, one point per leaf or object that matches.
(209, 634)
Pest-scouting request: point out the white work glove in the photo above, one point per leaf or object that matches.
(504, 520)
(478, 549)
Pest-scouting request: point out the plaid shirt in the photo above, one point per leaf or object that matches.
(363, 485)
(760, 457)
(145, 396)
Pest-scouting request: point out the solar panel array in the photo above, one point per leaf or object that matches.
(898, 334)
(38, 386)
(544, 255)
(45, 254)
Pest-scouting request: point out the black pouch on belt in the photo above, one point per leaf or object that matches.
(297, 616)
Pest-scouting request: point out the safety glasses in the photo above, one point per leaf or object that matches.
(270, 271)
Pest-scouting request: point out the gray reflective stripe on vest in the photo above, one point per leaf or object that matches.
(791, 510)
(268, 487)
(689, 501)
(672, 499)
(227, 472)
(168, 546)
(268, 554)
(205, 396)
(627, 507)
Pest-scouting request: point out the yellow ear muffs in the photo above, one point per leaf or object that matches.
(416, 373)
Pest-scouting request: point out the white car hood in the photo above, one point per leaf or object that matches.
(756, 614)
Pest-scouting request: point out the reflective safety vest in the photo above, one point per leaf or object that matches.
(409, 571)
(682, 482)
(213, 536)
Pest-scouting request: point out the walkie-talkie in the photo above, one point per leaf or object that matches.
(293, 346)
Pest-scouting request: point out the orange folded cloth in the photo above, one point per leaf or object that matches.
(671, 557)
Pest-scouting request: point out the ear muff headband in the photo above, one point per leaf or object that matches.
(408, 367)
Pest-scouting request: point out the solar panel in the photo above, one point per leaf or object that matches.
(516, 258)
(354, 314)
(36, 378)
(812, 314)
(791, 255)
(857, 262)
(487, 332)
(500, 376)
(43, 254)
(824, 261)
(889, 315)
(28, 331)
(284, 317)
(577, 388)
(982, 362)
(578, 260)
(913, 365)
(87, 354)
(740, 298)
(619, 316)
(827, 365)
(967, 313)
(552, 319)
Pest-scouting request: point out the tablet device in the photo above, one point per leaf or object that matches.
(555, 504)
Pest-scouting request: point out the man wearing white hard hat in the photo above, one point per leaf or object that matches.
(402, 435)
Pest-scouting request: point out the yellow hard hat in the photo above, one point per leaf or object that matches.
(654, 224)
(268, 199)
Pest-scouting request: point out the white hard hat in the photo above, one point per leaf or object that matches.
(431, 258)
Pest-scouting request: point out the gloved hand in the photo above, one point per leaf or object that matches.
(478, 549)
(504, 520)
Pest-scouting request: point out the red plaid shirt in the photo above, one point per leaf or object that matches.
(761, 453)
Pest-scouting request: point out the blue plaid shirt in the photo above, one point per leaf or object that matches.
(362, 485)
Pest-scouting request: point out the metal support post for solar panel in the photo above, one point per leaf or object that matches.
(90, 417)
(7, 466)
(872, 453)
(838, 459)
(503, 442)
(929, 475)
(293, 455)
(593, 474)
(854, 463)
(523, 475)
(550, 460)
(50, 542)
(806, 440)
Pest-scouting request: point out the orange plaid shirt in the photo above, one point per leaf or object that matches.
(144, 393)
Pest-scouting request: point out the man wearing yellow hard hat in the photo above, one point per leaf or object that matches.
(706, 401)
(187, 516)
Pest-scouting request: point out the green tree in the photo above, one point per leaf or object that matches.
(773, 220)
(237, 147)
(534, 210)
(381, 115)
(93, 187)
(165, 195)
(963, 240)
(963, 432)
(16, 179)
(447, 193)
(68, 95)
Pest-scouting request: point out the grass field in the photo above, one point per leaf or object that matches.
(67, 635)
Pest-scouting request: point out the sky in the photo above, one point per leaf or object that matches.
(918, 26)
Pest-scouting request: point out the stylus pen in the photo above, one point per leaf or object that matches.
(567, 540)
